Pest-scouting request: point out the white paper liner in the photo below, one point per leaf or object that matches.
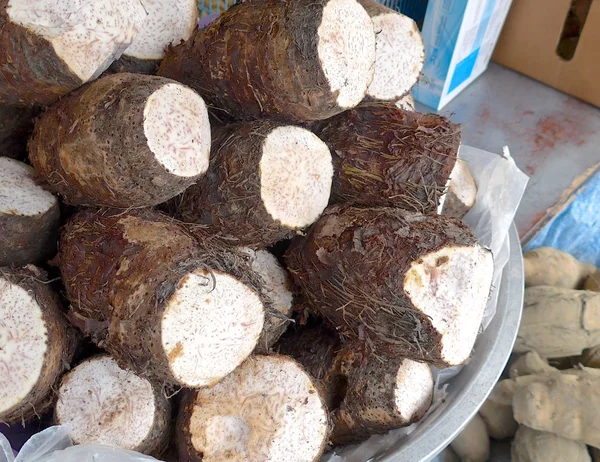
(500, 186)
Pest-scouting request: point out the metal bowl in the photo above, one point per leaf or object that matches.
(469, 389)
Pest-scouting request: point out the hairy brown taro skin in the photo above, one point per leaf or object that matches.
(227, 200)
(62, 342)
(316, 348)
(121, 268)
(91, 148)
(100, 254)
(385, 156)
(258, 59)
(351, 267)
(31, 73)
(28, 239)
(185, 448)
(369, 404)
(136, 65)
(352, 381)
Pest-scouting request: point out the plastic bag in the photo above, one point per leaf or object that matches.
(500, 188)
(54, 445)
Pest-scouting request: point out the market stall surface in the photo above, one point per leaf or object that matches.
(553, 137)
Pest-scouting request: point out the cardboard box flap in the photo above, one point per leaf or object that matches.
(529, 42)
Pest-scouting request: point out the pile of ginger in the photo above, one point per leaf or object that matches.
(548, 402)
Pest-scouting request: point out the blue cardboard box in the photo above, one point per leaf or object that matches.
(459, 37)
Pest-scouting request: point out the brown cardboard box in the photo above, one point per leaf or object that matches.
(529, 40)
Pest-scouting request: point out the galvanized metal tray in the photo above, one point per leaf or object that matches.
(469, 389)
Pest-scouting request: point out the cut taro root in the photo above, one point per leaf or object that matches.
(406, 103)
(276, 287)
(160, 304)
(400, 53)
(48, 48)
(104, 404)
(16, 124)
(267, 410)
(366, 394)
(316, 348)
(384, 156)
(29, 216)
(36, 346)
(462, 191)
(126, 140)
(383, 393)
(265, 182)
(279, 59)
(169, 22)
(406, 284)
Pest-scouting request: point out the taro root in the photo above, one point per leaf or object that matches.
(280, 59)
(383, 393)
(385, 156)
(169, 22)
(400, 53)
(125, 140)
(265, 182)
(162, 305)
(29, 216)
(268, 409)
(316, 348)
(403, 283)
(36, 346)
(48, 48)
(366, 394)
(104, 404)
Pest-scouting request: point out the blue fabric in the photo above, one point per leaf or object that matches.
(576, 229)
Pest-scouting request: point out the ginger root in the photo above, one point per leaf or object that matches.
(593, 282)
(559, 322)
(563, 404)
(551, 267)
(497, 411)
(473, 443)
(528, 364)
(535, 446)
(499, 420)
